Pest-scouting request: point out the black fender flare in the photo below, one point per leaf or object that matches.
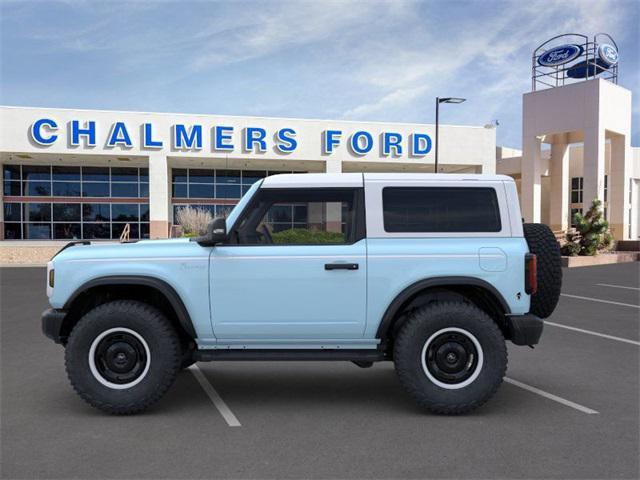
(163, 287)
(414, 288)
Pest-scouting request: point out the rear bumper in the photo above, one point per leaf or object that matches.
(52, 320)
(525, 329)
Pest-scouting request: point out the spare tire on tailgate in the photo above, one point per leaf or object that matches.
(542, 242)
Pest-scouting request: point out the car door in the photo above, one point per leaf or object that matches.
(294, 268)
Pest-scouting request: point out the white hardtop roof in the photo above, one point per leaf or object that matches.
(310, 180)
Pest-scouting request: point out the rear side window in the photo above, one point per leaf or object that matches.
(440, 209)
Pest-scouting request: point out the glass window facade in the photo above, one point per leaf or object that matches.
(215, 190)
(98, 202)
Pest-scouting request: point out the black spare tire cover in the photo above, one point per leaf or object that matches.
(542, 242)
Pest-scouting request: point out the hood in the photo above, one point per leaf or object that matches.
(119, 251)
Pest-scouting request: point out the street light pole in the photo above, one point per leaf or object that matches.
(438, 102)
(437, 128)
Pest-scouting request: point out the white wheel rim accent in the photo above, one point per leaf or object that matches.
(453, 386)
(92, 360)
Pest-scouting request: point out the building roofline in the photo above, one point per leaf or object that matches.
(20, 107)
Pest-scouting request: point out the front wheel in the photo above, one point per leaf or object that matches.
(450, 357)
(123, 356)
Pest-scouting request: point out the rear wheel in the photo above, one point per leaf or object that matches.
(542, 242)
(122, 356)
(450, 357)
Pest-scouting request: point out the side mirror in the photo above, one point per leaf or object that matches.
(216, 233)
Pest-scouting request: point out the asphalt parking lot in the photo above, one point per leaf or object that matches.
(571, 408)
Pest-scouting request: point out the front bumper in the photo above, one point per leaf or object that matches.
(525, 329)
(52, 321)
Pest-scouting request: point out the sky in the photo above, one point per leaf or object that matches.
(353, 60)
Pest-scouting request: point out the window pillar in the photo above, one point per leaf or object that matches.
(593, 166)
(531, 178)
(158, 196)
(559, 204)
(619, 186)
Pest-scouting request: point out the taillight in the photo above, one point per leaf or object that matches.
(530, 273)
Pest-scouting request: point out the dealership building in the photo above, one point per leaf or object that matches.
(91, 174)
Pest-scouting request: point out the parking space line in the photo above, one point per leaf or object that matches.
(600, 300)
(222, 407)
(590, 332)
(551, 396)
(616, 286)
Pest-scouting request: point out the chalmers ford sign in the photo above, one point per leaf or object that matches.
(46, 132)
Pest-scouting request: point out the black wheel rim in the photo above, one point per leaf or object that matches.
(120, 358)
(451, 357)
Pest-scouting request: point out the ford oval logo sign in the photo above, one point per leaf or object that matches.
(560, 55)
(608, 54)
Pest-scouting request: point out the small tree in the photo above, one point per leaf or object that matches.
(194, 221)
(592, 233)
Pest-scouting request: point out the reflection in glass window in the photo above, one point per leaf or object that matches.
(12, 188)
(66, 189)
(228, 191)
(66, 212)
(227, 176)
(129, 190)
(96, 212)
(37, 231)
(37, 189)
(67, 230)
(37, 212)
(197, 190)
(13, 231)
(11, 172)
(121, 212)
(95, 189)
(66, 173)
(96, 230)
(95, 174)
(36, 172)
(12, 212)
(201, 176)
(119, 174)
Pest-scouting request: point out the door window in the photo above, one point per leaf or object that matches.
(303, 217)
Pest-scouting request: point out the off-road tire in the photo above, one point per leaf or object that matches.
(425, 322)
(163, 361)
(542, 242)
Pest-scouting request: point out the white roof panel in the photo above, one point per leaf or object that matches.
(313, 180)
(317, 180)
(445, 177)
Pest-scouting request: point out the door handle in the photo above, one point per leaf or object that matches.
(341, 266)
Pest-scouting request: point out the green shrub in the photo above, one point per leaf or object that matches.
(295, 236)
(592, 233)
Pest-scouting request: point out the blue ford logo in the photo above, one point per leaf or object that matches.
(608, 54)
(560, 55)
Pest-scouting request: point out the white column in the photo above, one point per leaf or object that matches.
(618, 188)
(159, 195)
(593, 164)
(531, 178)
(559, 169)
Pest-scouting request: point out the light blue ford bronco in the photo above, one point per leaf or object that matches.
(432, 272)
